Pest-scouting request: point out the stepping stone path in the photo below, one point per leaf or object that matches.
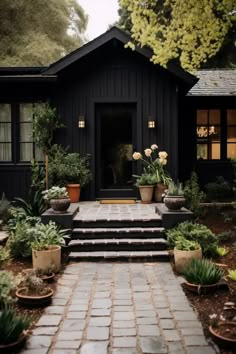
(119, 308)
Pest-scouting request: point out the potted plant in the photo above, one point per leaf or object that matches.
(174, 197)
(46, 247)
(13, 330)
(223, 329)
(202, 276)
(46, 275)
(34, 292)
(146, 183)
(58, 199)
(184, 251)
(155, 164)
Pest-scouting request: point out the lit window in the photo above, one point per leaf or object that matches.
(5, 133)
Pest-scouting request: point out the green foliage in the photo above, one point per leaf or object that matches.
(8, 284)
(36, 33)
(44, 236)
(225, 236)
(37, 176)
(36, 205)
(221, 251)
(202, 272)
(55, 192)
(146, 179)
(193, 195)
(232, 274)
(67, 168)
(186, 245)
(12, 325)
(4, 205)
(175, 189)
(193, 232)
(4, 256)
(219, 190)
(45, 122)
(34, 284)
(189, 32)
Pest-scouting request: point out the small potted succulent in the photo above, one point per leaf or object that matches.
(13, 330)
(58, 199)
(184, 251)
(174, 197)
(34, 292)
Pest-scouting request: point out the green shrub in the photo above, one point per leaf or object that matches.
(193, 232)
(11, 326)
(8, 284)
(35, 206)
(219, 190)
(4, 256)
(4, 205)
(194, 196)
(202, 272)
(225, 236)
(44, 236)
(186, 245)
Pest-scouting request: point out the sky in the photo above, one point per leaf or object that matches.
(101, 13)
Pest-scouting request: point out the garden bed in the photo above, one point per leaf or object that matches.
(207, 305)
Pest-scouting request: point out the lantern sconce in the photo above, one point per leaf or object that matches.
(81, 122)
(151, 123)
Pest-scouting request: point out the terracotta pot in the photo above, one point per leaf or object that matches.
(174, 202)
(222, 341)
(158, 191)
(60, 205)
(182, 258)
(146, 193)
(74, 192)
(12, 347)
(29, 300)
(203, 289)
(48, 278)
(46, 259)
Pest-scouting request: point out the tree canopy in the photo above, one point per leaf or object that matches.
(38, 32)
(188, 31)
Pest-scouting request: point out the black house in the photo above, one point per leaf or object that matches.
(114, 101)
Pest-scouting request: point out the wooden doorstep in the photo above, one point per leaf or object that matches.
(117, 201)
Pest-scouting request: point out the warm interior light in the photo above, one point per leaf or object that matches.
(81, 122)
(151, 124)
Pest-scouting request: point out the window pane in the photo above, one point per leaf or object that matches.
(39, 156)
(214, 151)
(5, 152)
(5, 112)
(231, 151)
(214, 134)
(202, 151)
(201, 117)
(231, 134)
(26, 151)
(231, 116)
(26, 112)
(26, 132)
(214, 116)
(5, 132)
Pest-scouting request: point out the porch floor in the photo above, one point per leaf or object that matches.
(94, 211)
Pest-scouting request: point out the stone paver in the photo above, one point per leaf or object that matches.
(118, 308)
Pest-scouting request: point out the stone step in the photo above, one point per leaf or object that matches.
(121, 255)
(123, 244)
(117, 223)
(120, 232)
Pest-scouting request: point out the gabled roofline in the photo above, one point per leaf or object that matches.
(123, 37)
(21, 70)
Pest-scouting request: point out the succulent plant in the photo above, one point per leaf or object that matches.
(202, 272)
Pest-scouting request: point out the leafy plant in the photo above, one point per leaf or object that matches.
(221, 251)
(193, 195)
(232, 274)
(193, 232)
(225, 235)
(186, 245)
(33, 284)
(218, 190)
(44, 236)
(4, 205)
(175, 189)
(146, 179)
(37, 176)
(54, 193)
(4, 256)
(8, 284)
(12, 325)
(202, 272)
(36, 205)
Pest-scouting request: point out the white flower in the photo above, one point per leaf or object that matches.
(163, 154)
(163, 161)
(148, 152)
(154, 147)
(213, 316)
(137, 156)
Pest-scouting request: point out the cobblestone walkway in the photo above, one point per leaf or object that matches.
(118, 308)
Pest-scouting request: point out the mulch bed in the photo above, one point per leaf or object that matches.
(207, 305)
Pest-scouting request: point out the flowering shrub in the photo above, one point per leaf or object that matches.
(55, 193)
(154, 163)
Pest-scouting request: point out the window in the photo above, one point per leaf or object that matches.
(231, 133)
(16, 133)
(5, 132)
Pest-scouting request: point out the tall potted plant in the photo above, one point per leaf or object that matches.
(146, 183)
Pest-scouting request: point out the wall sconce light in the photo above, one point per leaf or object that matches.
(151, 123)
(81, 122)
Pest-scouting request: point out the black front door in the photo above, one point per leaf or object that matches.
(115, 126)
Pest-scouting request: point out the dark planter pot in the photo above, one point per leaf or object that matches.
(202, 289)
(33, 301)
(174, 202)
(12, 347)
(222, 341)
(60, 205)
